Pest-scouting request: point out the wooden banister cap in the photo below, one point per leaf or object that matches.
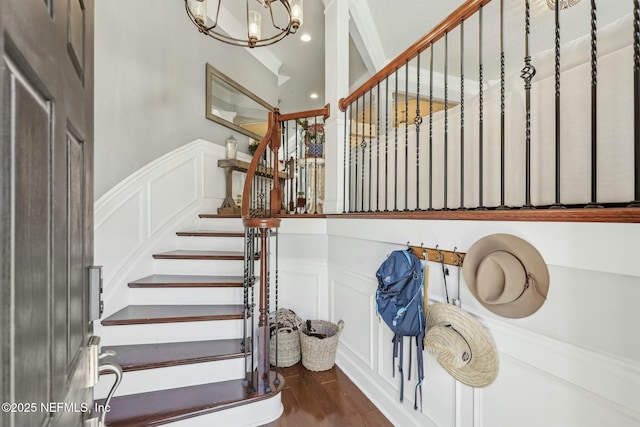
(261, 222)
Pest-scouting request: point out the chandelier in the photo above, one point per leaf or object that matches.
(564, 4)
(287, 19)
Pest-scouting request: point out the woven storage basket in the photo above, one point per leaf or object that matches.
(319, 354)
(288, 339)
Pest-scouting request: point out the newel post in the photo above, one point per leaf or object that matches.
(336, 86)
(264, 227)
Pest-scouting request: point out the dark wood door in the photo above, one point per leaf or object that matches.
(46, 201)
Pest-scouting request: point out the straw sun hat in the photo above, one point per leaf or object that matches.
(461, 345)
(507, 275)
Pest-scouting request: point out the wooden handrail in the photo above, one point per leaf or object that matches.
(272, 130)
(325, 112)
(449, 23)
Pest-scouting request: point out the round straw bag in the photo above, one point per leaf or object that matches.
(288, 339)
(319, 354)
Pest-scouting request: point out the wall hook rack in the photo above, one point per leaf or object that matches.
(450, 257)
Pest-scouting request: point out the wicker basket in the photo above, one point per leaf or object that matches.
(288, 339)
(319, 354)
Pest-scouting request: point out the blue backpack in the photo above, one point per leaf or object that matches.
(399, 301)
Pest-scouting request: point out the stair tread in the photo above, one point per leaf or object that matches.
(164, 406)
(211, 233)
(200, 254)
(148, 356)
(142, 314)
(215, 215)
(187, 281)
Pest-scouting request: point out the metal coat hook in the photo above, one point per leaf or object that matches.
(455, 252)
(457, 301)
(425, 254)
(445, 273)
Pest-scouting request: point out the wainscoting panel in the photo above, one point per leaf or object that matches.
(543, 399)
(121, 236)
(351, 302)
(302, 288)
(172, 192)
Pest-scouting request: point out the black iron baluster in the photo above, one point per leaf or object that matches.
(527, 74)
(406, 136)
(557, 204)
(370, 139)
(245, 311)
(395, 156)
(276, 381)
(355, 176)
(252, 281)
(418, 121)
(378, 149)
(351, 115)
(481, 118)
(315, 165)
(386, 144)
(636, 102)
(286, 190)
(446, 119)
(594, 108)
(265, 347)
(363, 146)
(298, 169)
(431, 128)
(502, 99)
(344, 160)
(461, 207)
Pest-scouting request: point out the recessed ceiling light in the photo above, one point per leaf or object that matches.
(305, 37)
(313, 96)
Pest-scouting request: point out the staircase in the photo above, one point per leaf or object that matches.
(199, 381)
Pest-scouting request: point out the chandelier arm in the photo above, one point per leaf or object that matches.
(215, 24)
(247, 21)
(287, 7)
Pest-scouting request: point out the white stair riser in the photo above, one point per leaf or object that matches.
(172, 377)
(172, 332)
(232, 244)
(251, 415)
(220, 224)
(188, 296)
(206, 267)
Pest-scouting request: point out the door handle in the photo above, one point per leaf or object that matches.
(106, 368)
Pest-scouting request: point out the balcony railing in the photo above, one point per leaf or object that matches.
(468, 118)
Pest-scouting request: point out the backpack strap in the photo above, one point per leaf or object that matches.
(395, 355)
(400, 368)
(409, 374)
(420, 362)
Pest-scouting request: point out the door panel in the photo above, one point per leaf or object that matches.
(75, 35)
(46, 201)
(30, 125)
(76, 283)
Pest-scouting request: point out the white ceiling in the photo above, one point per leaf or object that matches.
(382, 29)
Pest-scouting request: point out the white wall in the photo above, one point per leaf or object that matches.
(150, 84)
(574, 363)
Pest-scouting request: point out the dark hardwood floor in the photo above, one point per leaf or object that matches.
(327, 399)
